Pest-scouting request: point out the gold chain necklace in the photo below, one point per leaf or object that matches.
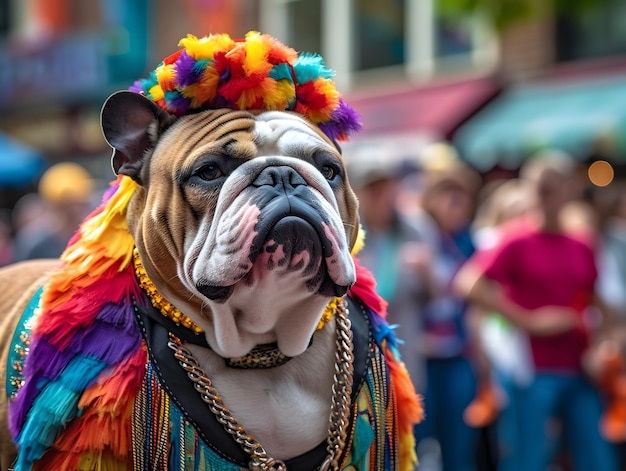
(340, 403)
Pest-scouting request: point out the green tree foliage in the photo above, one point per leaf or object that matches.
(505, 13)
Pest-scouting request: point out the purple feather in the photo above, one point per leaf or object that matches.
(122, 316)
(110, 192)
(225, 76)
(20, 407)
(44, 362)
(176, 103)
(186, 74)
(106, 342)
(45, 359)
(137, 86)
(344, 121)
(110, 338)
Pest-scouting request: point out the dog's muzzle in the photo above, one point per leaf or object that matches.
(291, 220)
(283, 223)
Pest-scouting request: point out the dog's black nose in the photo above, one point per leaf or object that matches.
(280, 177)
(219, 294)
(330, 288)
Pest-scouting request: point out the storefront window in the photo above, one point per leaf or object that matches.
(380, 33)
(304, 25)
(598, 32)
(453, 36)
(363, 38)
(5, 17)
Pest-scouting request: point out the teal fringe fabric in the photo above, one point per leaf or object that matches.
(19, 346)
(53, 408)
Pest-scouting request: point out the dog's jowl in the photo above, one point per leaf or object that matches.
(211, 314)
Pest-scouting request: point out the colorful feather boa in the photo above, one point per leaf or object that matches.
(87, 361)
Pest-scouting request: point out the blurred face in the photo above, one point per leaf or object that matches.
(451, 207)
(552, 192)
(72, 211)
(376, 203)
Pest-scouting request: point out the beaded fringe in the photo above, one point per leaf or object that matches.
(163, 439)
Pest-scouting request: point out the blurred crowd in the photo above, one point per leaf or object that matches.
(41, 223)
(508, 296)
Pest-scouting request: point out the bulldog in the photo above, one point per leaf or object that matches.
(210, 314)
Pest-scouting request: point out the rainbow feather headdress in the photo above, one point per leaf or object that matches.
(254, 73)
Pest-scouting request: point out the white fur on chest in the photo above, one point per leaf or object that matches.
(286, 408)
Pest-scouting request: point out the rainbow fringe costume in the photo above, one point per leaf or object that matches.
(89, 394)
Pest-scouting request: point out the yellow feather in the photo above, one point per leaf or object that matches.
(166, 76)
(255, 61)
(206, 48)
(408, 457)
(360, 241)
(282, 94)
(156, 93)
(272, 99)
(204, 90)
(100, 460)
(108, 230)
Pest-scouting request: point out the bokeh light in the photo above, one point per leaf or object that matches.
(601, 173)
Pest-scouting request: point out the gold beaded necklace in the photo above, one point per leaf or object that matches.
(158, 300)
(169, 310)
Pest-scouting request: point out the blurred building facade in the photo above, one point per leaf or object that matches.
(564, 87)
(60, 59)
(418, 71)
(415, 73)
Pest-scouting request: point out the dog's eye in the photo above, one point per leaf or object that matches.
(209, 172)
(329, 172)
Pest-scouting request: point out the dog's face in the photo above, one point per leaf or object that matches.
(243, 221)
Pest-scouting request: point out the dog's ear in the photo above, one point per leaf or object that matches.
(131, 124)
(337, 146)
(354, 225)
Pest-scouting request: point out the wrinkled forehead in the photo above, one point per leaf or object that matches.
(283, 133)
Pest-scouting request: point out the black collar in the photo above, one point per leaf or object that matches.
(155, 330)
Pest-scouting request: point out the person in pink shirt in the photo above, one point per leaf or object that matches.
(543, 281)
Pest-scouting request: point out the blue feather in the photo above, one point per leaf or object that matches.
(310, 67)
